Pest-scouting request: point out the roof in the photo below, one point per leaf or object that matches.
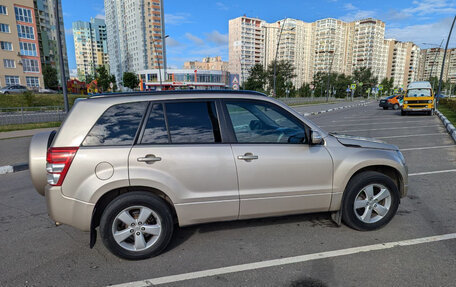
(419, 85)
(176, 92)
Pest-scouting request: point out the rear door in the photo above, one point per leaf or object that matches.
(278, 171)
(180, 152)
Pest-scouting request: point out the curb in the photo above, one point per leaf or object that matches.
(335, 109)
(24, 166)
(13, 168)
(448, 125)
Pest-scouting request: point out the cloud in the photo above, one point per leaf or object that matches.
(423, 33)
(222, 6)
(170, 42)
(101, 16)
(177, 19)
(350, 7)
(355, 13)
(196, 40)
(426, 7)
(211, 51)
(217, 38)
(73, 72)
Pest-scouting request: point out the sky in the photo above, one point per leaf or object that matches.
(199, 28)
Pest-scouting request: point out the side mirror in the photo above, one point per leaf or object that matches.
(316, 138)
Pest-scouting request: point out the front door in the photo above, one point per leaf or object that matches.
(278, 171)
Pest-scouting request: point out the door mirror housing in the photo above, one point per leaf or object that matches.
(315, 138)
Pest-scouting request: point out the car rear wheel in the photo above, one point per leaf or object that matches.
(396, 106)
(370, 202)
(403, 113)
(385, 108)
(136, 225)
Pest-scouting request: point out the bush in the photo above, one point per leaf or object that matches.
(449, 103)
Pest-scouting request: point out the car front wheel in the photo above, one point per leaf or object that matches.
(396, 106)
(370, 202)
(136, 225)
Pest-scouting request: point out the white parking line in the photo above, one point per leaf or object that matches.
(285, 261)
(357, 119)
(374, 123)
(406, 136)
(432, 172)
(385, 129)
(429, 147)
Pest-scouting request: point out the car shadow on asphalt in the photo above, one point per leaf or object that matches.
(182, 234)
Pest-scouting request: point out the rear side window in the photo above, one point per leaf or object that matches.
(183, 123)
(117, 126)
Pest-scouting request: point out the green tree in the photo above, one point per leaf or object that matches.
(284, 76)
(304, 91)
(103, 79)
(256, 80)
(388, 86)
(89, 79)
(366, 77)
(50, 77)
(130, 80)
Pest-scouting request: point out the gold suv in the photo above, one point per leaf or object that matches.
(135, 165)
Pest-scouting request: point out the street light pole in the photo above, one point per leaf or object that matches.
(443, 63)
(329, 75)
(61, 64)
(158, 60)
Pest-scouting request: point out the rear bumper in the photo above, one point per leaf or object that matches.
(67, 210)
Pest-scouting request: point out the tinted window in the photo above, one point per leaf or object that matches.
(192, 122)
(155, 130)
(117, 125)
(264, 123)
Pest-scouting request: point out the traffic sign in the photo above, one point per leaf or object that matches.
(380, 87)
(348, 90)
(353, 86)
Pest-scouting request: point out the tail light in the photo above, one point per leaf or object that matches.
(58, 162)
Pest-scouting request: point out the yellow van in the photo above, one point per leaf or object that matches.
(419, 97)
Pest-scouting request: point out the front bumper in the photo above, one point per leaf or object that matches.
(68, 210)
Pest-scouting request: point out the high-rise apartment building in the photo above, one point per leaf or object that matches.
(296, 42)
(90, 46)
(403, 62)
(47, 34)
(246, 45)
(368, 46)
(431, 61)
(332, 46)
(19, 50)
(208, 63)
(136, 35)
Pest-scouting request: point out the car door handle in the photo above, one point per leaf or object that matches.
(149, 158)
(247, 156)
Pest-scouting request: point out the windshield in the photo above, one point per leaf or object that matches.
(419, 93)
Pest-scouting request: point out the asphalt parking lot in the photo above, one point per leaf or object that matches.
(34, 252)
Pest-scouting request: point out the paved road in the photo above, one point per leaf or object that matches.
(36, 253)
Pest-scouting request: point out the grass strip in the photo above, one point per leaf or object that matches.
(9, 128)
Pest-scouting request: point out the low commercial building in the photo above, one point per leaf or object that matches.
(187, 79)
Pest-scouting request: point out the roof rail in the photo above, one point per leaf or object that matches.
(174, 92)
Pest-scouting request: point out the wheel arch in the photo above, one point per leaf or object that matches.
(109, 196)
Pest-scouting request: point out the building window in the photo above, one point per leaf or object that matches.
(9, 64)
(28, 49)
(32, 82)
(23, 14)
(30, 65)
(7, 46)
(3, 10)
(25, 32)
(4, 28)
(12, 80)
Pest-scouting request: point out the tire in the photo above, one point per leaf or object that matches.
(137, 204)
(396, 107)
(357, 188)
(385, 108)
(403, 113)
